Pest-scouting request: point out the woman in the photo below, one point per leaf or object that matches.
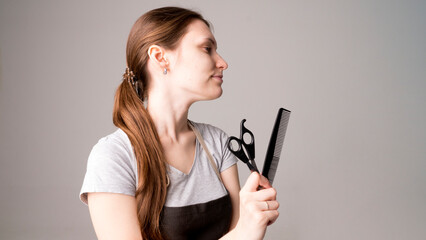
(161, 176)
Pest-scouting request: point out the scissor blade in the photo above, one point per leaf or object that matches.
(253, 163)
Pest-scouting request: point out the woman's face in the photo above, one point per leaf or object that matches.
(196, 68)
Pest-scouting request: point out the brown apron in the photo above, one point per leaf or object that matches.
(210, 220)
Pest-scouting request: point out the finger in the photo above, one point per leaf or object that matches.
(272, 216)
(262, 205)
(265, 195)
(267, 205)
(271, 222)
(264, 182)
(272, 205)
(252, 183)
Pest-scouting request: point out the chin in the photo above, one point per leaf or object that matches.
(212, 96)
(218, 94)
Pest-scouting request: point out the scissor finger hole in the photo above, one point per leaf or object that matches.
(233, 144)
(247, 138)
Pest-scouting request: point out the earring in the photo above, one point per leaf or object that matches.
(165, 71)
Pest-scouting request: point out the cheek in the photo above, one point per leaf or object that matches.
(195, 69)
(194, 66)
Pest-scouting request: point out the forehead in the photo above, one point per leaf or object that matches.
(198, 31)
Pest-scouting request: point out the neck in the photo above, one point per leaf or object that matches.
(169, 115)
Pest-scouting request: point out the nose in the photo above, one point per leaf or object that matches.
(221, 63)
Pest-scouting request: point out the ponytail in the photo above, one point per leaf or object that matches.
(130, 115)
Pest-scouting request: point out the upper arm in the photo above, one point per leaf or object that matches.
(114, 216)
(232, 184)
(111, 167)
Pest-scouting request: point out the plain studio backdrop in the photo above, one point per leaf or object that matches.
(353, 73)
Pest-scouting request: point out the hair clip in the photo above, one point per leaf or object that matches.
(129, 76)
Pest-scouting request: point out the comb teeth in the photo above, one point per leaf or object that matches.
(273, 169)
(282, 129)
(275, 144)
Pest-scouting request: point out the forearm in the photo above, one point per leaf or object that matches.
(230, 235)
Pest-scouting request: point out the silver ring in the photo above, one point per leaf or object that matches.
(267, 205)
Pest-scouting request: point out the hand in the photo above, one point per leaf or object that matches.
(258, 209)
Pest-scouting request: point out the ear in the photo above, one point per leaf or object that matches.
(156, 54)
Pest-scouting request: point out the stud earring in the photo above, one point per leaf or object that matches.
(165, 71)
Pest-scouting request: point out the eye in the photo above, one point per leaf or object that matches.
(208, 49)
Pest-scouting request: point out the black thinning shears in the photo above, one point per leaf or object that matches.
(245, 143)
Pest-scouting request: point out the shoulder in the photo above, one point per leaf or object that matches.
(208, 129)
(214, 137)
(114, 143)
(216, 141)
(113, 149)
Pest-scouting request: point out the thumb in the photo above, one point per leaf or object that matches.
(252, 182)
(264, 182)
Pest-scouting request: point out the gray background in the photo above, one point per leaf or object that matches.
(352, 72)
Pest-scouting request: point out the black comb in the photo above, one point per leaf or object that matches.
(276, 144)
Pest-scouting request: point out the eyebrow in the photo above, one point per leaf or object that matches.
(212, 41)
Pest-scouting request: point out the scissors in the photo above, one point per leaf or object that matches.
(245, 151)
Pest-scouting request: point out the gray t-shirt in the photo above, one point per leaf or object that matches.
(111, 167)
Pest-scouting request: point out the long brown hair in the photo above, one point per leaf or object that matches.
(164, 27)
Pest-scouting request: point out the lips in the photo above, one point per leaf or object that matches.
(218, 77)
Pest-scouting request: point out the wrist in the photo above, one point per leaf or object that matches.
(240, 233)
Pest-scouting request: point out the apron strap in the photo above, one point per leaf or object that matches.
(203, 144)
